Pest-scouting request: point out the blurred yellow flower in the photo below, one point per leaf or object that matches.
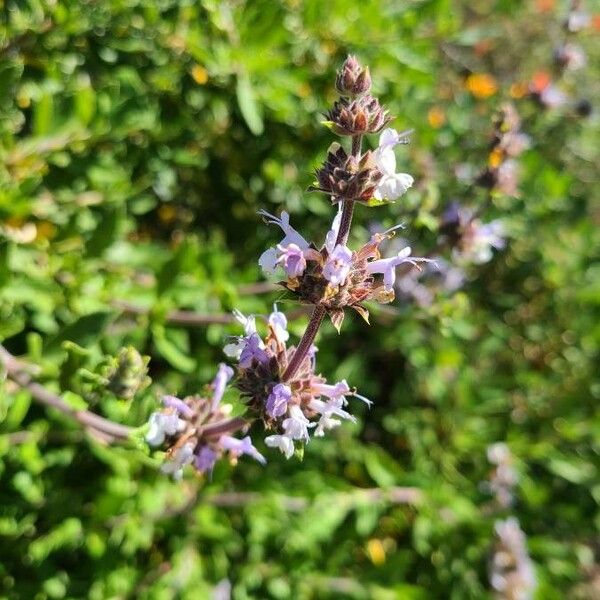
(495, 158)
(436, 117)
(199, 74)
(481, 85)
(376, 551)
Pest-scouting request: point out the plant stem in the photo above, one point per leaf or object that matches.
(305, 343)
(102, 428)
(226, 426)
(319, 312)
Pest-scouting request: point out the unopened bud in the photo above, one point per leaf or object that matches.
(352, 79)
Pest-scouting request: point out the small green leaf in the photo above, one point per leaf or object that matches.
(249, 107)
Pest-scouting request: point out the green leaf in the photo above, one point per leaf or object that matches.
(249, 107)
(84, 331)
(170, 352)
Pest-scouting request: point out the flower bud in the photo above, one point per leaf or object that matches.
(352, 80)
(358, 116)
(346, 178)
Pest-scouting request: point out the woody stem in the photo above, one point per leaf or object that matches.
(319, 311)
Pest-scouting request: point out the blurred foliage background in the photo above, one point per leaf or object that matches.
(137, 142)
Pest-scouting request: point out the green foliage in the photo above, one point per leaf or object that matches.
(137, 141)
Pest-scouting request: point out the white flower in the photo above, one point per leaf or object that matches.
(268, 259)
(387, 266)
(392, 184)
(332, 234)
(296, 425)
(283, 442)
(181, 457)
(162, 424)
(278, 321)
(327, 410)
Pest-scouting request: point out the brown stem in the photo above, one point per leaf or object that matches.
(305, 343)
(227, 426)
(103, 428)
(190, 318)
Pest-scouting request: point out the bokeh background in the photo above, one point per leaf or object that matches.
(137, 142)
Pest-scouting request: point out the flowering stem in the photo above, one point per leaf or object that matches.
(319, 312)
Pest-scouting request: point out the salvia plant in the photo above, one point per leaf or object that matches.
(279, 380)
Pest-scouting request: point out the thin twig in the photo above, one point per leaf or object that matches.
(102, 428)
(394, 495)
(190, 318)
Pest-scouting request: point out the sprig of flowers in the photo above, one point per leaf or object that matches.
(279, 382)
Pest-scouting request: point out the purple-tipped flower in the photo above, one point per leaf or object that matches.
(238, 447)
(254, 350)
(338, 265)
(278, 399)
(268, 259)
(205, 459)
(224, 374)
(178, 405)
(387, 266)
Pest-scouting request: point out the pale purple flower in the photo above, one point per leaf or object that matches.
(552, 97)
(278, 399)
(292, 259)
(179, 458)
(328, 410)
(392, 184)
(336, 390)
(278, 322)
(268, 259)
(238, 447)
(482, 238)
(224, 374)
(338, 264)
(179, 405)
(283, 442)
(387, 266)
(160, 425)
(254, 349)
(296, 425)
(205, 460)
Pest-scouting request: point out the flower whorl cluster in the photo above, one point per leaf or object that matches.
(195, 430)
(289, 408)
(472, 240)
(504, 476)
(334, 276)
(511, 570)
